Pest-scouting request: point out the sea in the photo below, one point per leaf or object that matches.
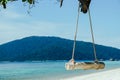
(45, 70)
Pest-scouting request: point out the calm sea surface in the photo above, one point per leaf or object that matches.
(49, 70)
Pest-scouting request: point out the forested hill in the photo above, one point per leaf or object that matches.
(53, 48)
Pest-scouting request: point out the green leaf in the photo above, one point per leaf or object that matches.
(30, 1)
(23, 0)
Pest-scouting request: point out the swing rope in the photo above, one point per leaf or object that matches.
(72, 65)
(74, 45)
(91, 28)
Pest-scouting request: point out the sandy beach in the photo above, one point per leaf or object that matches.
(106, 75)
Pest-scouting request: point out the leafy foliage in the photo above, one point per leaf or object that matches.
(83, 4)
(4, 2)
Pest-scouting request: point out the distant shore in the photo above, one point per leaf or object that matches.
(105, 75)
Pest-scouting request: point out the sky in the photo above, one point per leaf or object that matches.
(46, 18)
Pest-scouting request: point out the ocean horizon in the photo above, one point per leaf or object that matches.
(45, 70)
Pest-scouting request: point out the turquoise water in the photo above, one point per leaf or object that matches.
(49, 70)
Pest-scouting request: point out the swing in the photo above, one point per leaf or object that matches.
(72, 65)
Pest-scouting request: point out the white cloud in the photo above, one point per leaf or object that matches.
(16, 30)
(12, 31)
(11, 14)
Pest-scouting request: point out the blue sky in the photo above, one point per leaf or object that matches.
(48, 19)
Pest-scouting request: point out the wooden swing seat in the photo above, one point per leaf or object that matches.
(84, 65)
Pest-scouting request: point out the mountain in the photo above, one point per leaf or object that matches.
(53, 48)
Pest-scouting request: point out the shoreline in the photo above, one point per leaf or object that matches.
(113, 74)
